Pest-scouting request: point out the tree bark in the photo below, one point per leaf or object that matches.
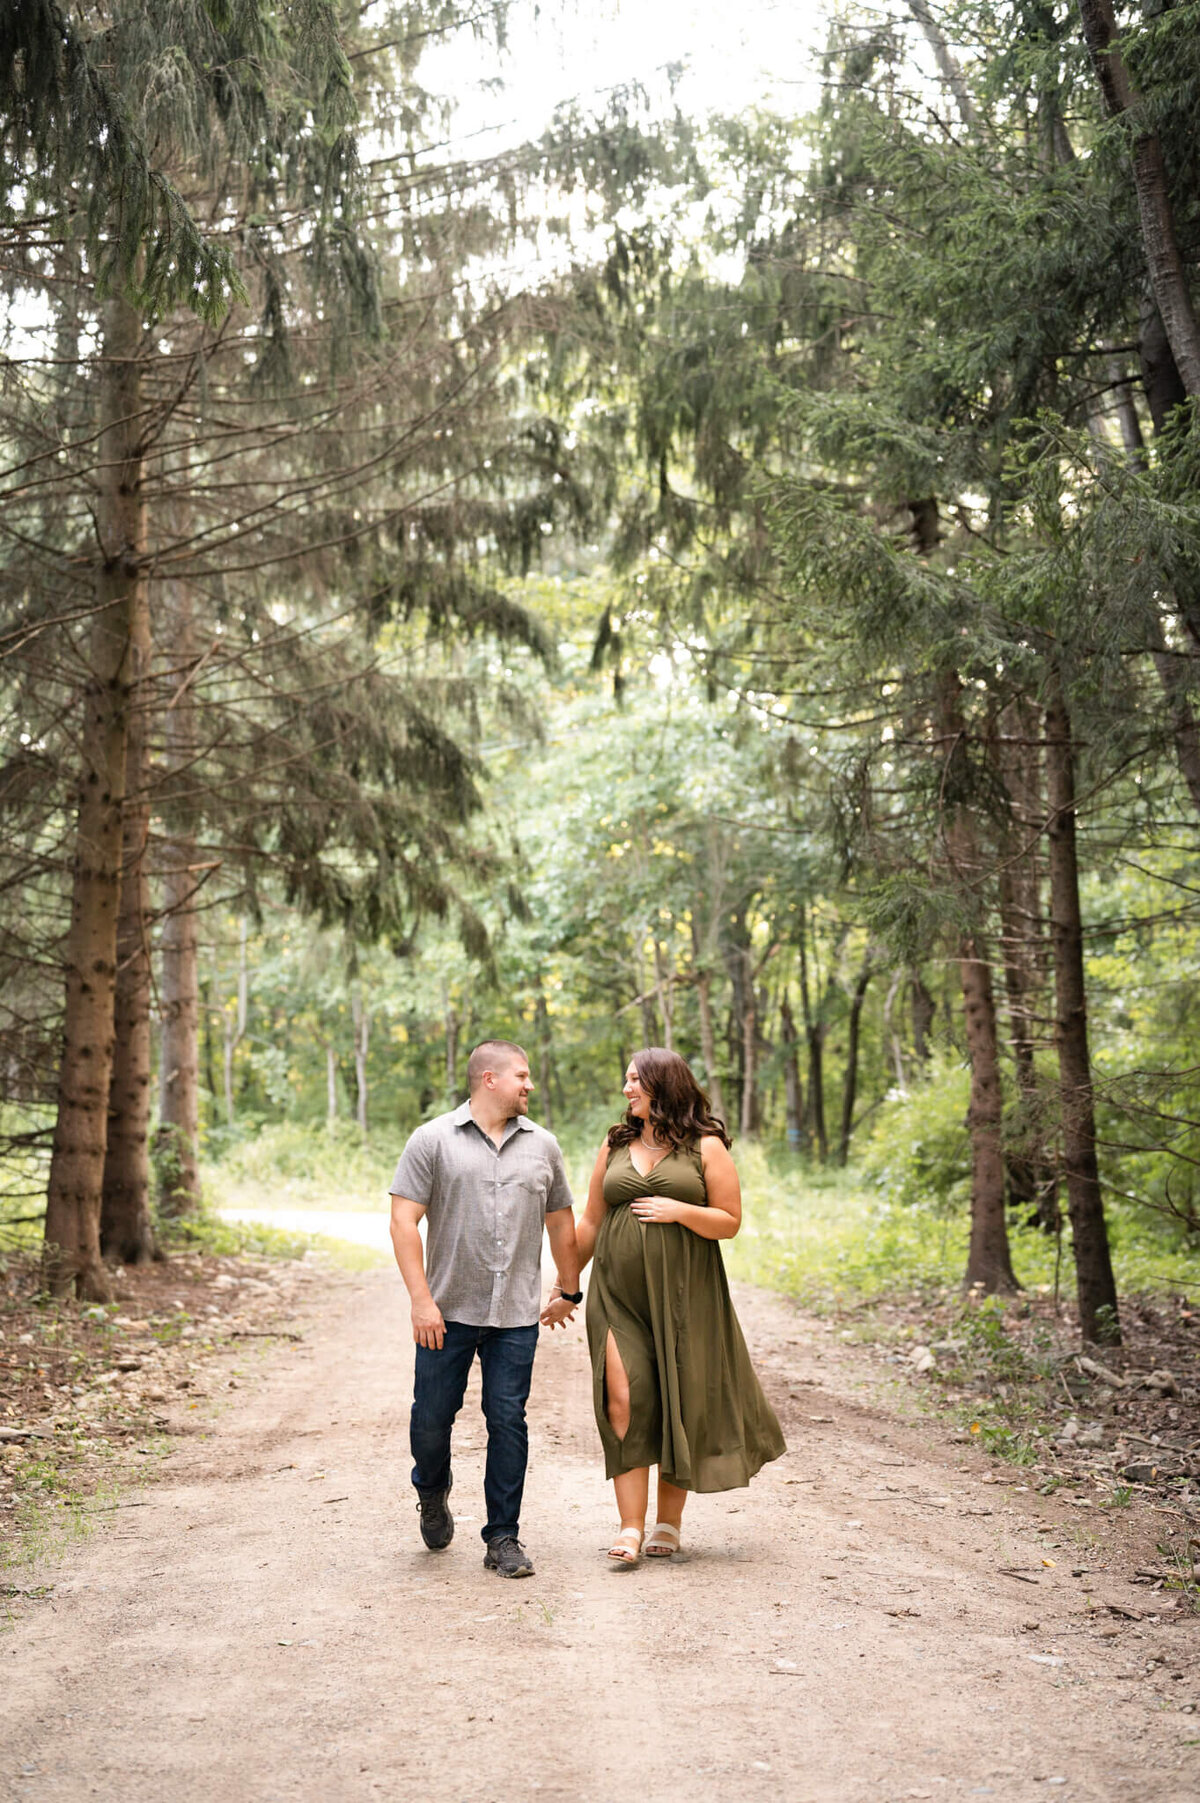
(708, 1045)
(814, 1036)
(948, 67)
(989, 1263)
(234, 1024)
(792, 1089)
(1095, 1285)
(924, 1009)
(850, 1084)
(126, 1228)
(177, 1144)
(1168, 276)
(360, 1015)
(72, 1261)
(749, 1114)
(331, 1086)
(1032, 1179)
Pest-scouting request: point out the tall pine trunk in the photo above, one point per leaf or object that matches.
(1164, 260)
(126, 1228)
(361, 1017)
(793, 1092)
(177, 1140)
(1032, 1180)
(850, 1084)
(989, 1263)
(814, 1038)
(1095, 1286)
(749, 1112)
(72, 1237)
(708, 1042)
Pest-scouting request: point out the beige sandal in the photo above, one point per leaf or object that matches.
(626, 1548)
(663, 1540)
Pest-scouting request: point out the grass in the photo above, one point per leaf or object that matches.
(208, 1234)
(287, 1165)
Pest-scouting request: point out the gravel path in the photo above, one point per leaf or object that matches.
(265, 1625)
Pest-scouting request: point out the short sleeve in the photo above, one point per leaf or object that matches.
(559, 1194)
(415, 1171)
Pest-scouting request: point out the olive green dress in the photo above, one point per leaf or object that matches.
(697, 1409)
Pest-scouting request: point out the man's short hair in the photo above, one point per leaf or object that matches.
(487, 1056)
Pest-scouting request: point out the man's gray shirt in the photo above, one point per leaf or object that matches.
(487, 1206)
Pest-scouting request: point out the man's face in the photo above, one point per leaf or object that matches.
(510, 1085)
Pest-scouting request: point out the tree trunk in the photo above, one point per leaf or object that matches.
(177, 1144)
(850, 1086)
(1032, 1179)
(1168, 276)
(1172, 672)
(948, 67)
(1095, 1286)
(708, 1045)
(814, 1036)
(331, 1086)
(360, 1014)
(235, 1024)
(792, 1089)
(126, 1229)
(749, 1113)
(989, 1264)
(924, 1008)
(72, 1261)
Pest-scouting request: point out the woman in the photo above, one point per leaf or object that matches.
(672, 1381)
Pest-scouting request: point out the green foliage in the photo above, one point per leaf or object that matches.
(918, 1154)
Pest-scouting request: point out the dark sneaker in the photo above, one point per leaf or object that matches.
(437, 1523)
(508, 1557)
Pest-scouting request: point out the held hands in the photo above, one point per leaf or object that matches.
(557, 1312)
(429, 1329)
(657, 1209)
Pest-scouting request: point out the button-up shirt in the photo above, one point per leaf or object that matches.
(486, 1206)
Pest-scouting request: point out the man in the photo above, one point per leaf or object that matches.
(487, 1178)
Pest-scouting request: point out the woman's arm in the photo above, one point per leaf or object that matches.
(595, 1209)
(723, 1216)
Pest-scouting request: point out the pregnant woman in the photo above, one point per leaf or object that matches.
(672, 1381)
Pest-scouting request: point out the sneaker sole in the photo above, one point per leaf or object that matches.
(526, 1571)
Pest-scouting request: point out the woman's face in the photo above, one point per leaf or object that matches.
(635, 1095)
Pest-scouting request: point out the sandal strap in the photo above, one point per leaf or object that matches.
(665, 1532)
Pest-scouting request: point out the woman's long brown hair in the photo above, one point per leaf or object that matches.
(680, 1112)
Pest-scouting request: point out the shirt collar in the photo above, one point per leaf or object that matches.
(462, 1116)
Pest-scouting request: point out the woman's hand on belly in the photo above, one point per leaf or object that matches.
(659, 1209)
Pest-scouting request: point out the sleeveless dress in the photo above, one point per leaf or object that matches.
(697, 1409)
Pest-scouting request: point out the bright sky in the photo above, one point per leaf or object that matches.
(752, 53)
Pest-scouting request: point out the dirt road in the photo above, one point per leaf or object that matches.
(266, 1626)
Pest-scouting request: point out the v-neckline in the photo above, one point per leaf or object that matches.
(633, 1161)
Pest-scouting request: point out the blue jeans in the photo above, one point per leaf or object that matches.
(506, 1361)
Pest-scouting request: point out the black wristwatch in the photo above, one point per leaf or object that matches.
(566, 1296)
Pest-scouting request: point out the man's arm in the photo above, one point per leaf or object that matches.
(428, 1327)
(560, 1230)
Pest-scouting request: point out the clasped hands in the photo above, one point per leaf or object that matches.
(557, 1311)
